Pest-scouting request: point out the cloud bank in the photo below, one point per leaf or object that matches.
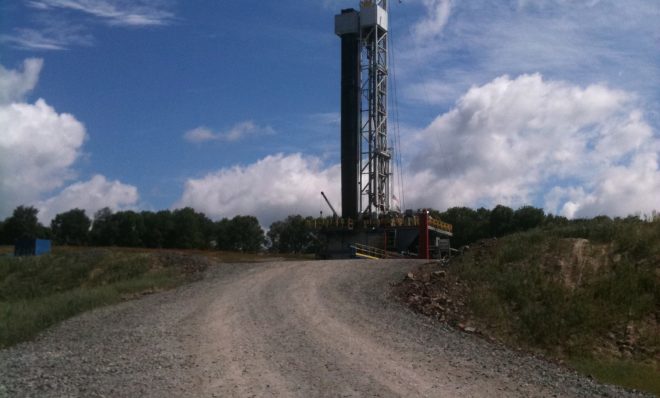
(90, 196)
(269, 189)
(38, 146)
(38, 150)
(576, 151)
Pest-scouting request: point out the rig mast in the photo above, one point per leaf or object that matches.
(365, 155)
(367, 227)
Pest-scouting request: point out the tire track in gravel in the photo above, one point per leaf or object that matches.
(329, 329)
(280, 329)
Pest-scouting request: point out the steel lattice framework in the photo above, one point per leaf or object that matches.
(365, 154)
(375, 154)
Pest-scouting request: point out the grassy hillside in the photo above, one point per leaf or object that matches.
(586, 293)
(37, 292)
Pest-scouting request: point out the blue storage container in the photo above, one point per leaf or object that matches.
(32, 247)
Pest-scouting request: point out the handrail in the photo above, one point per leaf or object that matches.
(441, 225)
(350, 224)
(368, 251)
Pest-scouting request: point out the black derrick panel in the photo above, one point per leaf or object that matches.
(350, 124)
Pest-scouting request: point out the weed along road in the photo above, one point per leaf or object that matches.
(285, 329)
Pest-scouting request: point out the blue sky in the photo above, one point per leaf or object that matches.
(232, 107)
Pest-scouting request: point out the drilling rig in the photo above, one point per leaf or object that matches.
(365, 155)
(368, 226)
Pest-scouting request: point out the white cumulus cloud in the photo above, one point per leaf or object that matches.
(200, 134)
(577, 151)
(38, 151)
(14, 84)
(582, 151)
(90, 196)
(435, 20)
(38, 147)
(236, 133)
(269, 189)
(620, 190)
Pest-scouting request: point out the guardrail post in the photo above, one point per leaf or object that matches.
(424, 252)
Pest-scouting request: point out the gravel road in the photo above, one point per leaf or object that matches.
(285, 329)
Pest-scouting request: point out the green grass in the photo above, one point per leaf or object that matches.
(38, 292)
(520, 294)
(624, 373)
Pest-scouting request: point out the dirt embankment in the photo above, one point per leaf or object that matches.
(573, 267)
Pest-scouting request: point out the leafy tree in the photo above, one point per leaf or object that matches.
(245, 234)
(528, 217)
(501, 220)
(104, 228)
(291, 235)
(553, 220)
(157, 227)
(130, 228)
(468, 225)
(221, 234)
(191, 230)
(71, 227)
(23, 223)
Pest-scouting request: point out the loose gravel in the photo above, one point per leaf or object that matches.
(284, 329)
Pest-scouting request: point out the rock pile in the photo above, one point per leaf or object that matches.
(189, 264)
(432, 290)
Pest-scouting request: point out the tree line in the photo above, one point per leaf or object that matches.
(173, 229)
(471, 225)
(188, 229)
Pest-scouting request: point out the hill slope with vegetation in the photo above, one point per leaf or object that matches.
(586, 292)
(38, 292)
